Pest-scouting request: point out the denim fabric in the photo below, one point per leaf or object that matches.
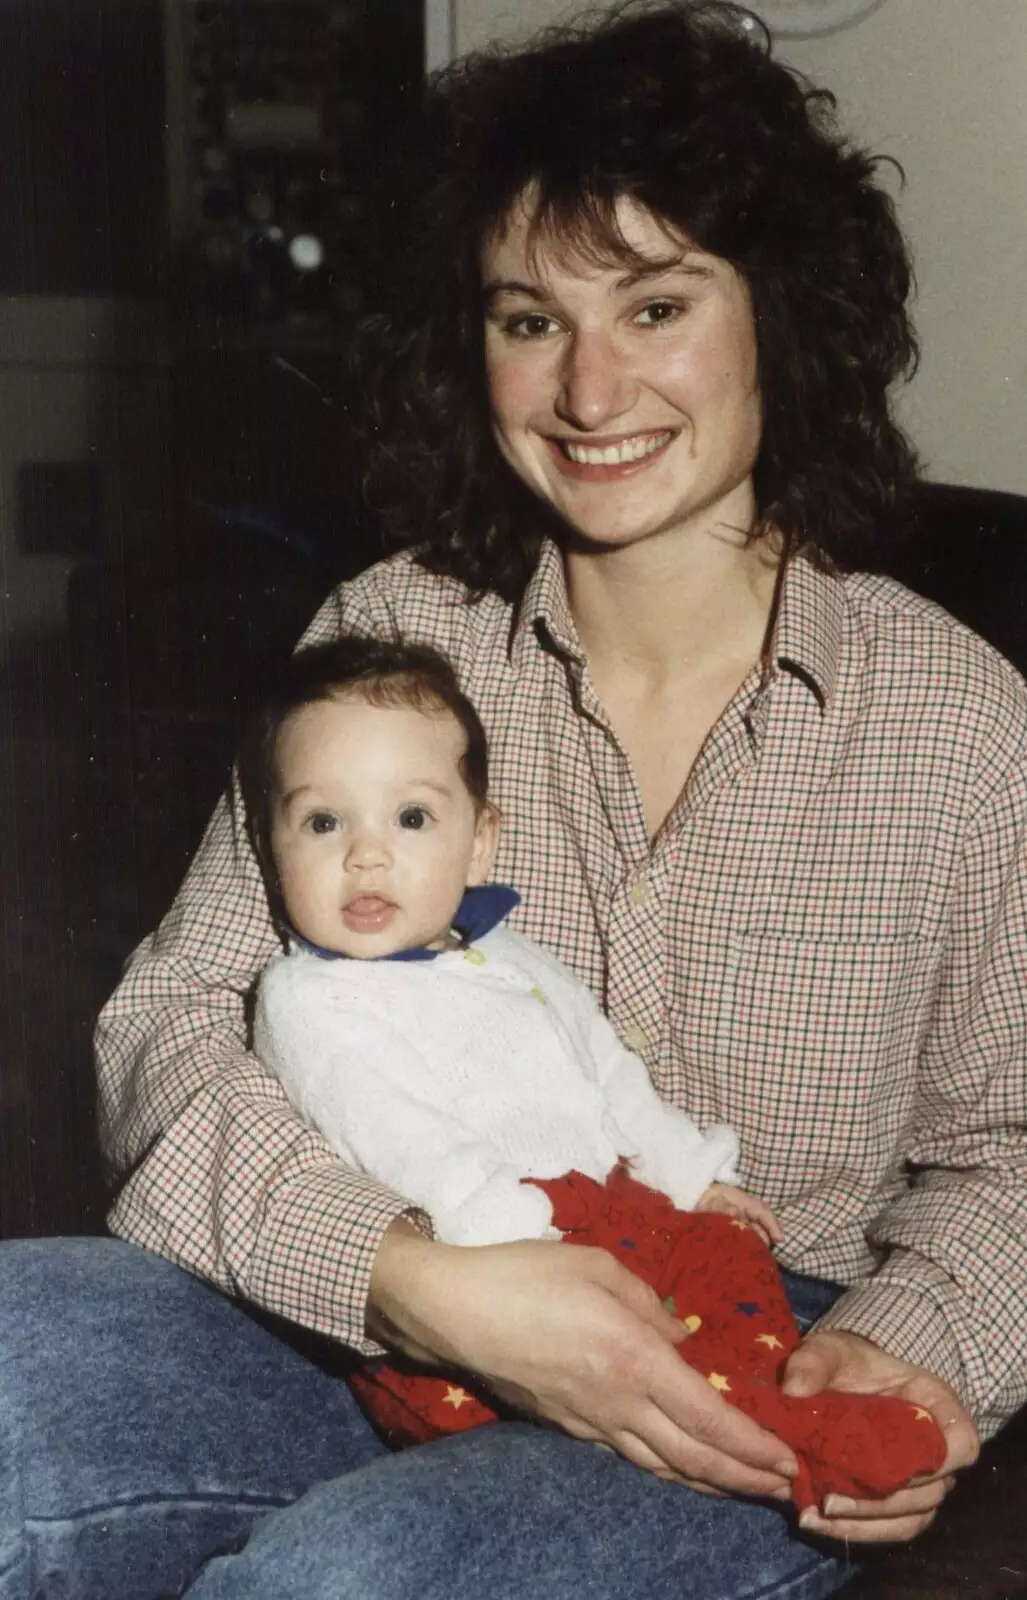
(145, 1422)
(157, 1441)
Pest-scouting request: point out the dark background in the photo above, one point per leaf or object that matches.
(156, 564)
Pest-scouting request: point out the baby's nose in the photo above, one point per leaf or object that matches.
(367, 848)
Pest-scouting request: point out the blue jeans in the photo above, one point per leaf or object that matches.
(157, 1440)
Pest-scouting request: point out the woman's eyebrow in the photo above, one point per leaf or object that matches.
(678, 265)
(492, 291)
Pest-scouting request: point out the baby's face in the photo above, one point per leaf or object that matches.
(373, 831)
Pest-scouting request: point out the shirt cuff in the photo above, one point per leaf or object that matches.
(312, 1260)
(317, 1253)
(903, 1322)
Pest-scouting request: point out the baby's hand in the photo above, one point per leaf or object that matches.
(736, 1203)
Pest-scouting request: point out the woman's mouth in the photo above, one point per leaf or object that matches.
(604, 459)
(368, 913)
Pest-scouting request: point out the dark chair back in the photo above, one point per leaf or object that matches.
(967, 550)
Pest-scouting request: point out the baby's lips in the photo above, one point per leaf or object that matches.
(367, 913)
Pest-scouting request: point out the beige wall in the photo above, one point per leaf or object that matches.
(479, 21)
(939, 85)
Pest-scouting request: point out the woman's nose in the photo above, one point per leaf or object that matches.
(595, 386)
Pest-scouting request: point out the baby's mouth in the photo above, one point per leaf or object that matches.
(368, 913)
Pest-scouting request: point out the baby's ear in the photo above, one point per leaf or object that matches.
(486, 842)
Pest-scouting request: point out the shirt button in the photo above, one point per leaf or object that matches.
(634, 1039)
(639, 892)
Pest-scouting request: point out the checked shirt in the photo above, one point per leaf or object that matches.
(825, 946)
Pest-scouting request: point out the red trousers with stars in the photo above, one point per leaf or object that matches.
(718, 1276)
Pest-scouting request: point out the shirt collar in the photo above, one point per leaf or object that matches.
(544, 616)
(807, 632)
(808, 629)
(481, 909)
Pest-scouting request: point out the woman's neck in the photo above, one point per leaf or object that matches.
(661, 609)
(670, 635)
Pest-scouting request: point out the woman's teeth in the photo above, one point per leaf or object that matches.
(613, 455)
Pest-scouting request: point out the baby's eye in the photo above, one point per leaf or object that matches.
(414, 817)
(657, 312)
(322, 822)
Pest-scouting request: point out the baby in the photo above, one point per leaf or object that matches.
(462, 1065)
(429, 1044)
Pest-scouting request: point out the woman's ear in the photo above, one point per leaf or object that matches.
(486, 842)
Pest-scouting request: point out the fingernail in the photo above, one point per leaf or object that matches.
(836, 1505)
(808, 1518)
(787, 1469)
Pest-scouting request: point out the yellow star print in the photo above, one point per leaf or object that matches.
(921, 1415)
(771, 1341)
(718, 1381)
(740, 1222)
(692, 1324)
(456, 1398)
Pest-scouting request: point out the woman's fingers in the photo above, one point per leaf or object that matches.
(704, 1439)
(902, 1515)
(660, 1446)
(683, 1428)
(914, 1501)
(640, 1451)
(867, 1530)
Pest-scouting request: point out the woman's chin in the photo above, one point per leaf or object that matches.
(600, 541)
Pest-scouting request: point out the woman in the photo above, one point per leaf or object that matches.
(631, 392)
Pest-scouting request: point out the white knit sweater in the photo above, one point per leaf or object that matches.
(452, 1079)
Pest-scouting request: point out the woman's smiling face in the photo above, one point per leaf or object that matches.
(624, 394)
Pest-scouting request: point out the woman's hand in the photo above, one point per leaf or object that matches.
(573, 1338)
(836, 1359)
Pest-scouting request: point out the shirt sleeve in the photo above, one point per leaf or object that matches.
(218, 1172)
(950, 1291)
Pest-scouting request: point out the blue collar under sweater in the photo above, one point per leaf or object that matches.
(480, 910)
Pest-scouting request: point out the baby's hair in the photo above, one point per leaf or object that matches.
(389, 675)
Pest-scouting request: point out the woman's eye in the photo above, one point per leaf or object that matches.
(529, 325)
(657, 312)
(413, 817)
(322, 822)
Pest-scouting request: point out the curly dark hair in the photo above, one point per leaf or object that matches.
(381, 673)
(680, 108)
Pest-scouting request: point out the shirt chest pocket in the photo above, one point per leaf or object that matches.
(820, 1038)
